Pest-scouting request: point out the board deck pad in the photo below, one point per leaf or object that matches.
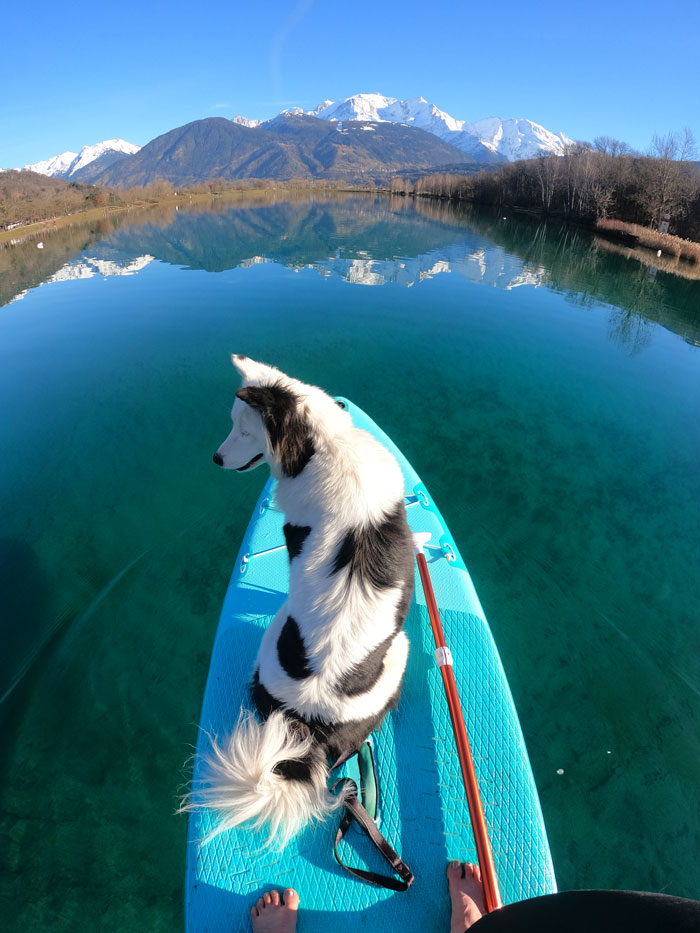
(422, 807)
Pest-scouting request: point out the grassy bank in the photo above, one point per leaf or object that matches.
(231, 194)
(55, 223)
(649, 257)
(635, 234)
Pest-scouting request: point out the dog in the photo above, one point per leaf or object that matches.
(332, 660)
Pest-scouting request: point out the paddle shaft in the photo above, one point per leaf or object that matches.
(492, 894)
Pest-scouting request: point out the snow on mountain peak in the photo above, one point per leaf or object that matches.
(58, 165)
(517, 139)
(245, 121)
(66, 164)
(489, 138)
(88, 154)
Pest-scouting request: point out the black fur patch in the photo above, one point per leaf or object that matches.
(379, 555)
(262, 699)
(295, 535)
(405, 601)
(291, 651)
(343, 739)
(290, 437)
(364, 675)
(295, 769)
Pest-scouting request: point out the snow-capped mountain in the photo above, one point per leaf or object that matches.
(487, 139)
(69, 163)
(376, 108)
(511, 139)
(244, 121)
(57, 166)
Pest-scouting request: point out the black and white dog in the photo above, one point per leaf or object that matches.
(331, 662)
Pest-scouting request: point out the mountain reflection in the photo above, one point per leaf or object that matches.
(365, 240)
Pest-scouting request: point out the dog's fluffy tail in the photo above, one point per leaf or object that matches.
(266, 774)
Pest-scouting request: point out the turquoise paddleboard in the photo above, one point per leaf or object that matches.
(422, 807)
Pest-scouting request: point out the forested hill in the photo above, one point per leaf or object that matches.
(29, 196)
(288, 147)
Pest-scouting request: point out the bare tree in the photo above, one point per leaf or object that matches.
(546, 171)
(668, 181)
(611, 146)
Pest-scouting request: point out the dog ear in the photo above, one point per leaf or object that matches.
(253, 372)
(255, 396)
(239, 360)
(290, 437)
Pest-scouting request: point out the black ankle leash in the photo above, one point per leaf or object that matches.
(355, 811)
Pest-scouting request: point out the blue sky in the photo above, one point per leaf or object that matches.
(92, 71)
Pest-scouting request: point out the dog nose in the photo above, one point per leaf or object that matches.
(218, 459)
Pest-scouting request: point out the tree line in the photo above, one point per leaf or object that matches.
(588, 182)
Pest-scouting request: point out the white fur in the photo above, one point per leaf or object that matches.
(243, 788)
(351, 481)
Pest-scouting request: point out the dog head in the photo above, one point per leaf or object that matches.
(268, 423)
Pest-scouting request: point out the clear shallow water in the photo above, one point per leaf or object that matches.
(556, 425)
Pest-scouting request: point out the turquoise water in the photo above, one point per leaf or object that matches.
(547, 391)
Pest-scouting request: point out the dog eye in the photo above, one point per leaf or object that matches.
(244, 433)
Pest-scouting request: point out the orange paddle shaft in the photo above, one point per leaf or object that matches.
(492, 893)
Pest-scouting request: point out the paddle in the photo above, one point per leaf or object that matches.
(492, 894)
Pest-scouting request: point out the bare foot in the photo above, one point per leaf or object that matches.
(466, 894)
(272, 915)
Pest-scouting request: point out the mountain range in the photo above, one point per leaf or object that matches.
(366, 136)
(490, 139)
(288, 147)
(84, 165)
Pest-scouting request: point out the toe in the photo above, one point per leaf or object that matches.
(454, 872)
(260, 904)
(254, 912)
(267, 897)
(275, 896)
(291, 899)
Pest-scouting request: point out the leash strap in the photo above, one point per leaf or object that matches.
(355, 811)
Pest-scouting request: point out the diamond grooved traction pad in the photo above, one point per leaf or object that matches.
(423, 810)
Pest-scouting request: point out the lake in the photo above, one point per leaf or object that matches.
(547, 390)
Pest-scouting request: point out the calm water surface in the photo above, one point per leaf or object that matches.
(547, 391)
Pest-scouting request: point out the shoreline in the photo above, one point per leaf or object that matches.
(639, 237)
(98, 213)
(623, 232)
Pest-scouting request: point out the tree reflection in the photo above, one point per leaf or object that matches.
(374, 240)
